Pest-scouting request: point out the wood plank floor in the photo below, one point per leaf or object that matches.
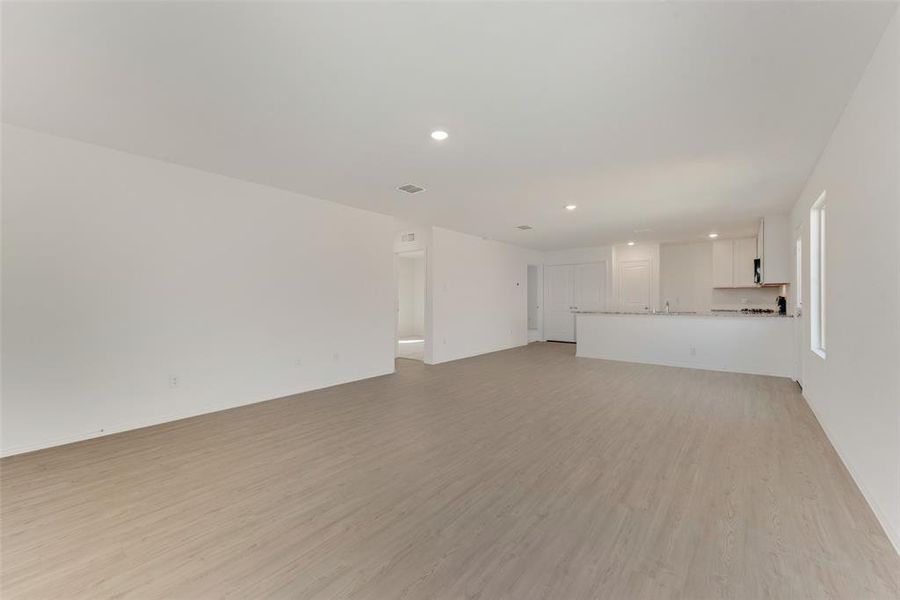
(522, 474)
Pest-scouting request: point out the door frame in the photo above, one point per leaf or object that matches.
(426, 330)
(539, 269)
(800, 267)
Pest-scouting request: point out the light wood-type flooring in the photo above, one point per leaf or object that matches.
(527, 473)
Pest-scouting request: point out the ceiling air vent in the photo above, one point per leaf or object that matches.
(408, 237)
(410, 188)
(523, 227)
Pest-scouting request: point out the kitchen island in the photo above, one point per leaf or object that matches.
(762, 344)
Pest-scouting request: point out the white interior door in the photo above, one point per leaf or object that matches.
(559, 321)
(590, 286)
(634, 285)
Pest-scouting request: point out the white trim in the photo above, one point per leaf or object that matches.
(818, 340)
(203, 409)
(892, 536)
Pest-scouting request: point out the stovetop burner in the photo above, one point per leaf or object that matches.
(757, 310)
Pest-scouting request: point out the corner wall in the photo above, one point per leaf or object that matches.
(480, 295)
(121, 272)
(855, 391)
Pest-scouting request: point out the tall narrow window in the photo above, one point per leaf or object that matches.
(798, 276)
(817, 276)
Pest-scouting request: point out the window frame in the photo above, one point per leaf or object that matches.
(817, 276)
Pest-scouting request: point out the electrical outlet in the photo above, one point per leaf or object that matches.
(173, 381)
(693, 351)
(298, 362)
(336, 356)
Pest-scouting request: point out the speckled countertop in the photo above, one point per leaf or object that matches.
(713, 313)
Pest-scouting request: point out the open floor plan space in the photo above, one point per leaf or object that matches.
(450, 300)
(527, 473)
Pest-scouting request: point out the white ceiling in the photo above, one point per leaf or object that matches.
(680, 118)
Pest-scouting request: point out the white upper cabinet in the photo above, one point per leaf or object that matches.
(744, 255)
(733, 263)
(723, 264)
(774, 249)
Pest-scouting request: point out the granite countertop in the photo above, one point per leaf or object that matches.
(713, 313)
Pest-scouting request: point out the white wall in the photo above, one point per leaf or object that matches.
(577, 256)
(411, 295)
(855, 391)
(480, 295)
(685, 276)
(121, 271)
(685, 280)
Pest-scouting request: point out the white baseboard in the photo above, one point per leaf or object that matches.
(689, 365)
(203, 409)
(892, 536)
(482, 353)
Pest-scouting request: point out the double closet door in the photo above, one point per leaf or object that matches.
(570, 288)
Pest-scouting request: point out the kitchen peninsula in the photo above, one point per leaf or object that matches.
(762, 344)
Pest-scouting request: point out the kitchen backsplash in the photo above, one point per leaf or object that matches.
(727, 299)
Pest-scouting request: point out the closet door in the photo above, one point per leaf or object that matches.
(590, 286)
(559, 321)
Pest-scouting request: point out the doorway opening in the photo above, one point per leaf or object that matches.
(534, 303)
(411, 305)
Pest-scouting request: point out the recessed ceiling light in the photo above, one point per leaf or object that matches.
(440, 135)
(714, 235)
(571, 207)
(631, 243)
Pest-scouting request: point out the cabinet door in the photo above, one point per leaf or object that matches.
(744, 253)
(723, 264)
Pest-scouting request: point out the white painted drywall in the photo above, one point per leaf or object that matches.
(480, 294)
(759, 345)
(685, 280)
(577, 256)
(120, 271)
(418, 296)
(855, 391)
(685, 276)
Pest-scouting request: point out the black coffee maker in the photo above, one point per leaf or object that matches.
(781, 302)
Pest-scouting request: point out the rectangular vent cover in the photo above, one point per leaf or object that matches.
(410, 188)
(524, 227)
(408, 237)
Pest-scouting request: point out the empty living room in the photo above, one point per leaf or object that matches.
(444, 300)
